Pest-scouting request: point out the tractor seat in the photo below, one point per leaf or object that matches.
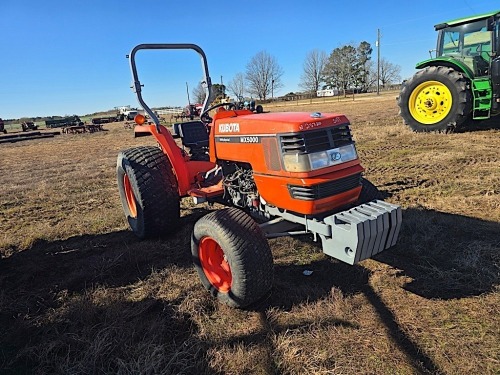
(481, 66)
(193, 134)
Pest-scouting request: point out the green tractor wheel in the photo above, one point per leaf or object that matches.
(435, 99)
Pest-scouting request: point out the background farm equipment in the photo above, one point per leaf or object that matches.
(27, 136)
(80, 129)
(104, 120)
(295, 173)
(192, 110)
(28, 125)
(462, 83)
(64, 122)
(125, 113)
(248, 104)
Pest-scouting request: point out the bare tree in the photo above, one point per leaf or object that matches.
(199, 93)
(237, 86)
(312, 71)
(371, 77)
(263, 74)
(389, 72)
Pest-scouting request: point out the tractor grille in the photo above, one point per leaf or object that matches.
(324, 190)
(315, 141)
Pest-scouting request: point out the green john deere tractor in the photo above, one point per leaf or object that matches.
(462, 83)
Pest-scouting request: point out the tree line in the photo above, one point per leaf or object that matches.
(348, 67)
(262, 77)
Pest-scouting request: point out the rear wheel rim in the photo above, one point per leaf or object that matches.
(214, 264)
(129, 195)
(430, 102)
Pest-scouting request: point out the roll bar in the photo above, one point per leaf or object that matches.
(136, 84)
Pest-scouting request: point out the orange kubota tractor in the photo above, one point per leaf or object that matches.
(295, 173)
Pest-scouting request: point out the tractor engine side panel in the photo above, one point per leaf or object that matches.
(241, 148)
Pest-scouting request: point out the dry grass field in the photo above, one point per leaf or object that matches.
(79, 294)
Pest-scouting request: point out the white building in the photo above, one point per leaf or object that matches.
(327, 92)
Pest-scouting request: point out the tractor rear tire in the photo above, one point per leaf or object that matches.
(148, 191)
(369, 192)
(232, 257)
(435, 99)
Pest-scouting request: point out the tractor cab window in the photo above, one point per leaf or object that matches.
(470, 43)
(451, 43)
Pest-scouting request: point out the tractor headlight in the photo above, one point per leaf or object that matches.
(317, 160)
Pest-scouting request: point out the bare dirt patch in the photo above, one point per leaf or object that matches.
(80, 294)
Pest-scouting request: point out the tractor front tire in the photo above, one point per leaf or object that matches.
(232, 257)
(435, 99)
(148, 191)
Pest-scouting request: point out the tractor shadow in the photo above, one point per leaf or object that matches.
(68, 306)
(48, 304)
(100, 334)
(113, 259)
(445, 256)
(490, 124)
(293, 288)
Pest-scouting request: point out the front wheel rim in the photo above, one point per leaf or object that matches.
(430, 102)
(215, 265)
(129, 196)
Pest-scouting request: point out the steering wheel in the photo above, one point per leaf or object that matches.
(204, 115)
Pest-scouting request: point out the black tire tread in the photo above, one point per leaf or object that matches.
(158, 197)
(443, 74)
(247, 251)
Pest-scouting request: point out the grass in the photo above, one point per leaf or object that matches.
(80, 294)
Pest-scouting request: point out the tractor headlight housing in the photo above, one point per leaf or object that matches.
(297, 162)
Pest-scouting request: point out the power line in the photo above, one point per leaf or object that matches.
(472, 9)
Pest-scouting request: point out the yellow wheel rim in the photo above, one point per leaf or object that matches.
(430, 102)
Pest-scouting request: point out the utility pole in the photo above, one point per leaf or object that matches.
(187, 90)
(378, 61)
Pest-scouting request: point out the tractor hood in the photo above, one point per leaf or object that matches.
(234, 123)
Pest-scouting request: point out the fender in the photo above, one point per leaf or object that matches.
(187, 172)
(448, 62)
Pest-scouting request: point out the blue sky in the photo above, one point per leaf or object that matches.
(68, 57)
